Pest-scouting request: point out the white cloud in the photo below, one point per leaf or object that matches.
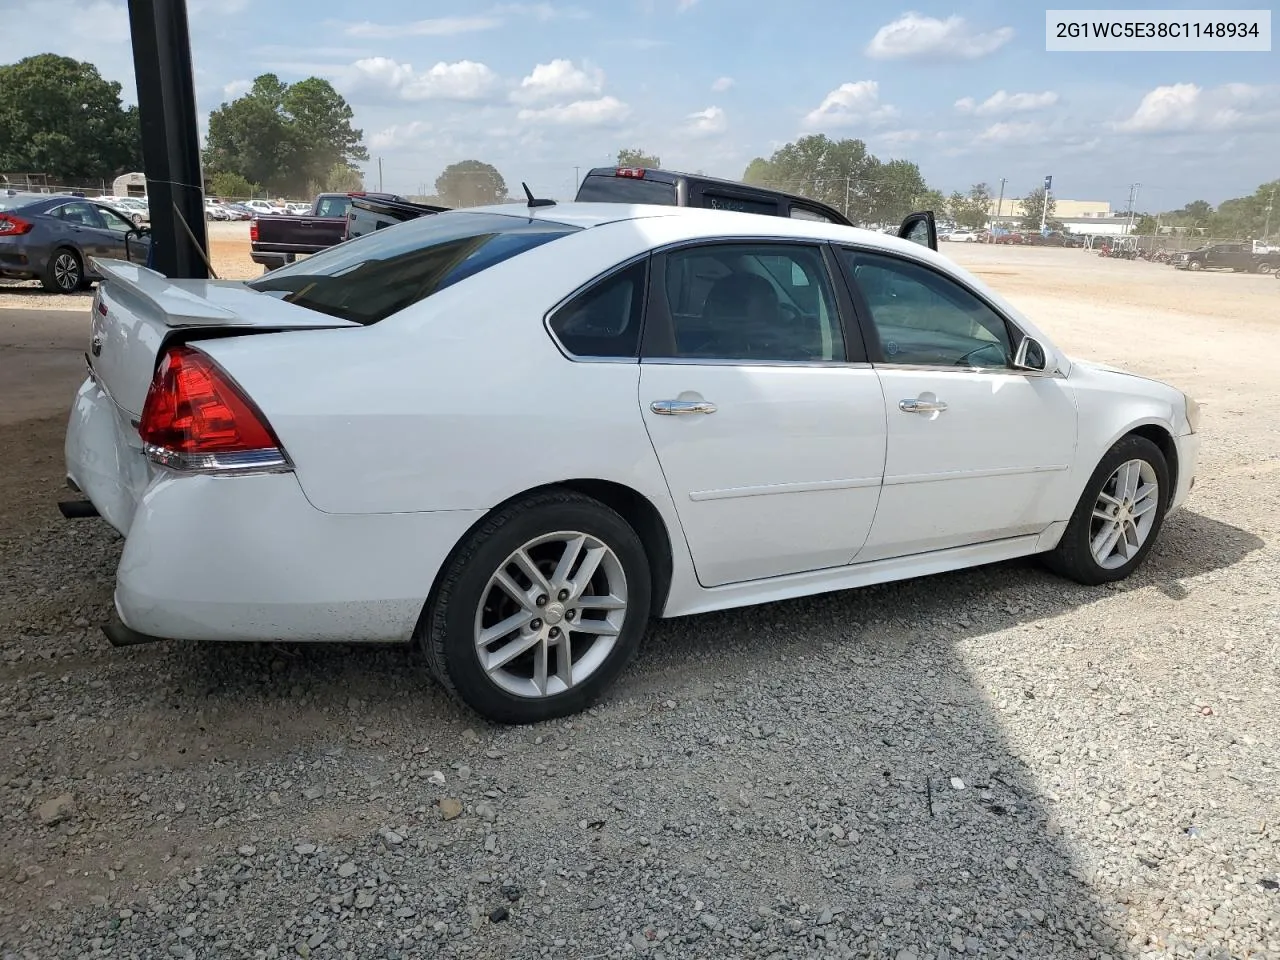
(541, 11)
(559, 80)
(851, 103)
(581, 113)
(1002, 102)
(708, 122)
(1010, 131)
(236, 88)
(1182, 107)
(897, 137)
(434, 27)
(463, 80)
(399, 135)
(915, 35)
(722, 84)
(683, 6)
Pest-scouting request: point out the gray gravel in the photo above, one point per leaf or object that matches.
(994, 763)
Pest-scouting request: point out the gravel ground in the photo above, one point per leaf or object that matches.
(992, 763)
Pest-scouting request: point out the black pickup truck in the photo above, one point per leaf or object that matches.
(1220, 256)
(275, 241)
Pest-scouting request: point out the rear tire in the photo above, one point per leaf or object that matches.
(565, 636)
(1195, 265)
(64, 273)
(1129, 489)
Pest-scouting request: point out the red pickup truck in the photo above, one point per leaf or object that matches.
(277, 240)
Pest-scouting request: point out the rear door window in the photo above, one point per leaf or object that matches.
(370, 278)
(605, 189)
(604, 320)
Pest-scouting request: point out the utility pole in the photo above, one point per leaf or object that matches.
(576, 182)
(846, 198)
(999, 209)
(379, 174)
(1044, 208)
(1266, 231)
(1133, 196)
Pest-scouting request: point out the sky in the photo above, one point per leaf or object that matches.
(546, 90)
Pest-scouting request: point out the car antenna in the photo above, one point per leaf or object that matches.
(535, 201)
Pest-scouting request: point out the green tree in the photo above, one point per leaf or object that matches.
(897, 189)
(342, 179)
(839, 173)
(1145, 225)
(283, 136)
(933, 200)
(973, 209)
(635, 157)
(1033, 205)
(59, 117)
(232, 185)
(470, 183)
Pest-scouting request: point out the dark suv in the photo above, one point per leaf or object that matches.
(672, 189)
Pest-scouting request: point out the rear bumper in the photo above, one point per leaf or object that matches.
(249, 558)
(272, 261)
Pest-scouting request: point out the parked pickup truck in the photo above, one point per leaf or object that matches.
(279, 239)
(1218, 256)
(373, 211)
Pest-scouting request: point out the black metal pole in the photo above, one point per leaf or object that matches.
(170, 138)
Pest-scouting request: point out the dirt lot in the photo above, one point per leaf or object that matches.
(992, 763)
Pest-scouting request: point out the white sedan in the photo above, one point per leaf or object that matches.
(963, 236)
(512, 436)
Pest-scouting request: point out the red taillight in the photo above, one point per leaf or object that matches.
(253, 230)
(636, 173)
(11, 225)
(196, 418)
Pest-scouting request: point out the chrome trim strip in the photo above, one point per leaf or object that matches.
(269, 460)
(971, 474)
(696, 362)
(801, 486)
(952, 368)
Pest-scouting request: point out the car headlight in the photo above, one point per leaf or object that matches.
(1193, 414)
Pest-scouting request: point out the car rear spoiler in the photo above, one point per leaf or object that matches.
(157, 294)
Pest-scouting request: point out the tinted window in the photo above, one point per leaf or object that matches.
(922, 317)
(114, 222)
(805, 213)
(719, 201)
(333, 206)
(84, 214)
(374, 276)
(604, 321)
(751, 302)
(598, 189)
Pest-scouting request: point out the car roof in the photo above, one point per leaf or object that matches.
(699, 222)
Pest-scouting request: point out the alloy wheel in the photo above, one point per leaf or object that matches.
(551, 614)
(66, 271)
(1124, 513)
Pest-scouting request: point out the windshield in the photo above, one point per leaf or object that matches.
(370, 278)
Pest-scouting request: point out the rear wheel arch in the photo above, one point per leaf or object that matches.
(634, 507)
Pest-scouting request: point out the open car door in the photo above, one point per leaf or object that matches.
(920, 228)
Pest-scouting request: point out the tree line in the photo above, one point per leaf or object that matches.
(59, 117)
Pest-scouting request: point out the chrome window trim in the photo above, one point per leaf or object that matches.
(952, 368)
(721, 362)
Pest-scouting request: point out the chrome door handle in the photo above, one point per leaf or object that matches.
(921, 406)
(673, 408)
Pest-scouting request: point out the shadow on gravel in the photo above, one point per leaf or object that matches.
(822, 777)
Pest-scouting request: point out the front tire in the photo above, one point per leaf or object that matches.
(1118, 517)
(539, 609)
(64, 273)
(1195, 265)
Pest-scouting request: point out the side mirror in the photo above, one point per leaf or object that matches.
(1030, 356)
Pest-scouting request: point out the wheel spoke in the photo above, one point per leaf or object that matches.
(590, 564)
(499, 630)
(1132, 475)
(601, 628)
(1108, 499)
(1105, 541)
(530, 569)
(1145, 506)
(1100, 514)
(495, 661)
(540, 668)
(572, 549)
(564, 660)
(514, 590)
(602, 603)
